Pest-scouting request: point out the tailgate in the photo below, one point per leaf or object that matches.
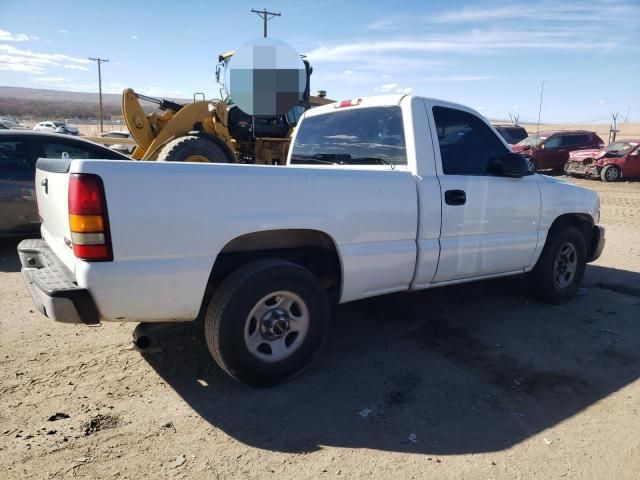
(52, 184)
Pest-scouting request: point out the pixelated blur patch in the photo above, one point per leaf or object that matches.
(266, 77)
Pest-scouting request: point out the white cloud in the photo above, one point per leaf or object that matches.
(515, 107)
(49, 79)
(480, 108)
(392, 88)
(76, 67)
(456, 78)
(134, 37)
(476, 41)
(52, 57)
(387, 87)
(541, 11)
(63, 31)
(14, 59)
(6, 36)
(349, 72)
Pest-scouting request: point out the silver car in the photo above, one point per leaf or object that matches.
(19, 150)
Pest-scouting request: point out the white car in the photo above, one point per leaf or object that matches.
(380, 195)
(56, 127)
(124, 148)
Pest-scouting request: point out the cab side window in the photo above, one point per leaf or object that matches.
(15, 158)
(467, 144)
(554, 142)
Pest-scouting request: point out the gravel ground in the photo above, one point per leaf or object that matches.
(474, 381)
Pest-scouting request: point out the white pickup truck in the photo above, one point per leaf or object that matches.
(380, 195)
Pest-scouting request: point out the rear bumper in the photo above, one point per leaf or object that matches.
(597, 243)
(53, 287)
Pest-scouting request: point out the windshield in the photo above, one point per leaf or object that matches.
(532, 141)
(364, 136)
(620, 147)
(59, 124)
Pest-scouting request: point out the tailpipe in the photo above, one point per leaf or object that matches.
(145, 339)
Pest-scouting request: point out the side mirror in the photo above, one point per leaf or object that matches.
(509, 165)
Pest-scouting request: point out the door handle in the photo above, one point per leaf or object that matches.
(455, 197)
(45, 183)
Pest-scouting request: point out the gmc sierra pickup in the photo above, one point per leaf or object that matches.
(380, 195)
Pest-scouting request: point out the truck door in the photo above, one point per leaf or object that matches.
(489, 222)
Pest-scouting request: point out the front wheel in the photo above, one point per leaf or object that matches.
(610, 173)
(560, 268)
(266, 322)
(191, 148)
(531, 163)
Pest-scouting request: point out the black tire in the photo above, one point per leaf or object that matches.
(228, 313)
(610, 173)
(542, 280)
(531, 163)
(183, 148)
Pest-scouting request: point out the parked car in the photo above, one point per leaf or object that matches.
(19, 151)
(124, 148)
(7, 123)
(512, 133)
(550, 150)
(56, 127)
(620, 159)
(380, 195)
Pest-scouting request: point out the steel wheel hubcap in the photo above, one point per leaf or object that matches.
(566, 265)
(532, 165)
(276, 326)
(612, 174)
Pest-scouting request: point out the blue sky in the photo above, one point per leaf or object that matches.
(489, 55)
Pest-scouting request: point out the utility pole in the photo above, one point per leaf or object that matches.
(540, 108)
(614, 128)
(99, 62)
(266, 16)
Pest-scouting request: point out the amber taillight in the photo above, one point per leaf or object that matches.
(88, 218)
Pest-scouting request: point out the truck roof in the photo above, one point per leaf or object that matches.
(379, 101)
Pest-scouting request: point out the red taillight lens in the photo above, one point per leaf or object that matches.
(88, 218)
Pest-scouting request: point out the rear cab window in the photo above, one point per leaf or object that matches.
(362, 136)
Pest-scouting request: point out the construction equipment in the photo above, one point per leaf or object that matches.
(212, 131)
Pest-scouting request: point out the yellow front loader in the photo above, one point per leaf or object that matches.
(210, 131)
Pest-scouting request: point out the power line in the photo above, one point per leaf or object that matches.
(266, 16)
(99, 61)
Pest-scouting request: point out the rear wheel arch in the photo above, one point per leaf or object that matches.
(314, 250)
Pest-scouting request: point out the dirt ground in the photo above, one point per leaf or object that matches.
(464, 382)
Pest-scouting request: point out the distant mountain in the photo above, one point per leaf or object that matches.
(40, 103)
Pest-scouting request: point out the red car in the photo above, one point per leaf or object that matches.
(550, 150)
(620, 159)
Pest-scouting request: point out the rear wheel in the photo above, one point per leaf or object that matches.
(560, 268)
(266, 322)
(610, 173)
(531, 163)
(192, 149)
